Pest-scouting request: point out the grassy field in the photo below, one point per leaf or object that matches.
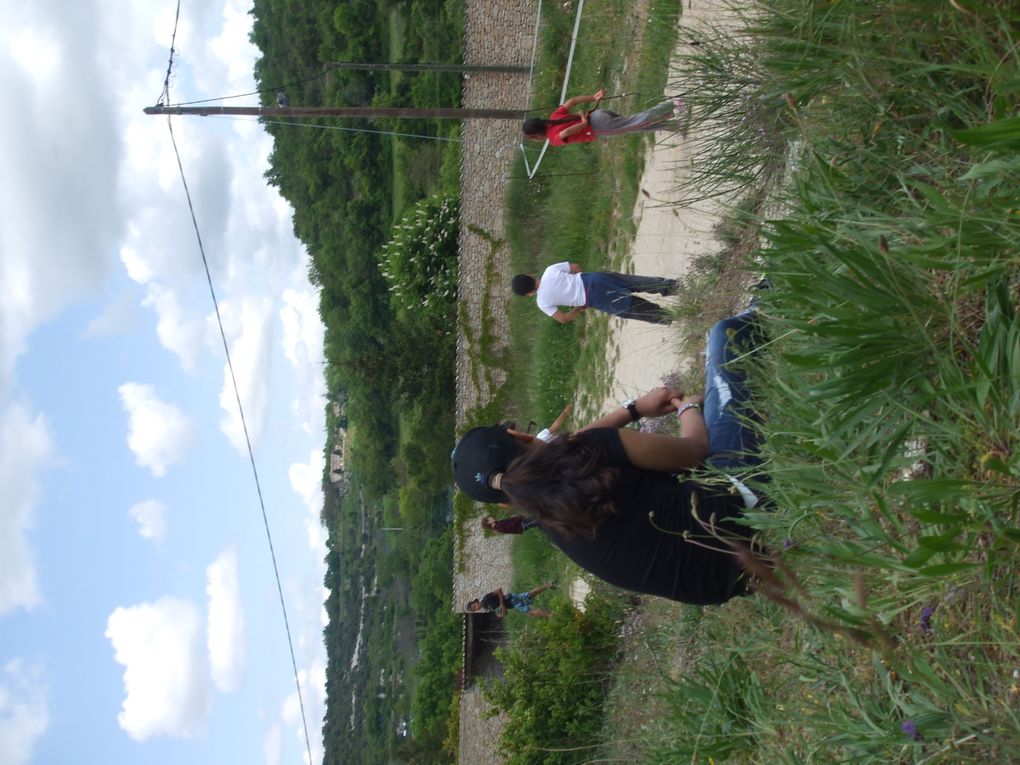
(886, 629)
(577, 207)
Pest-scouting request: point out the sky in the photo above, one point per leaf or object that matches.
(139, 616)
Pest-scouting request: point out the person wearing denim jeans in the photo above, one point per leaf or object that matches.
(565, 284)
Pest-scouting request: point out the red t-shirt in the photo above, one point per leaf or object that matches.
(553, 131)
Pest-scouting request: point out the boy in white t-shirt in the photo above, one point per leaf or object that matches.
(565, 284)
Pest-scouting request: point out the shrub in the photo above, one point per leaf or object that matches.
(555, 683)
(420, 261)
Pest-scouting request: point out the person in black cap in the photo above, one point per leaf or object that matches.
(609, 497)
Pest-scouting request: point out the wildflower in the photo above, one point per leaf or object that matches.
(925, 624)
(909, 728)
(788, 543)
(652, 425)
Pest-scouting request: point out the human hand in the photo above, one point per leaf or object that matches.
(600, 94)
(694, 398)
(657, 402)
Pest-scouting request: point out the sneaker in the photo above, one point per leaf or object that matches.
(678, 104)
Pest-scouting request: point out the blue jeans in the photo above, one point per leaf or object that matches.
(732, 442)
(613, 293)
(521, 601)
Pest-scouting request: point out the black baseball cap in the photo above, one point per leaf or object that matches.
(480, 454)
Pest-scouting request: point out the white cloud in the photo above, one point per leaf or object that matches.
(272, 744)
(60, 210)
(24, 449)
(302, 329)
(151, 517)
(180, 333)
(251, 330)
(225, 639)
(313, 692)
(159, 435)
(166, 681)
(306, 481)
(24, 713)
(302, 345)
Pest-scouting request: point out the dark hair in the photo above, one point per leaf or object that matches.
(522, 284)
(467, 606)
(536, 126)
(563, 486)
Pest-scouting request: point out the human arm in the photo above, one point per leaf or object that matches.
(502, 603)
(578, 127)
(594, 98)
(569, 316)
(655, 403)
(512, 525)
(558, 422)
(668, 454)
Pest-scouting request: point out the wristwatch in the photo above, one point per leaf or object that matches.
(631, 407)
(685, 407)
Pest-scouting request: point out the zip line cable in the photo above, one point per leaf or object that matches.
(165, 94)
(237, 393)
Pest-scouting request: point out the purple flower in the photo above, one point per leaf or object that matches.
(788, 543)
(909, 728)
(652, 425)
(925, 624)
(672, 380)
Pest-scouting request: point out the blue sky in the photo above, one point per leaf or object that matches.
(139, 618)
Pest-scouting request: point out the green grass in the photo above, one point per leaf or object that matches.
(578, 206)
(889, 630)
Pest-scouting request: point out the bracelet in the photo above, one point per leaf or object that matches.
(685, 407)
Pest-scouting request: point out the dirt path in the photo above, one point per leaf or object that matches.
(667, 241)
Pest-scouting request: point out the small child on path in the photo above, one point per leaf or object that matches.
(499, 602)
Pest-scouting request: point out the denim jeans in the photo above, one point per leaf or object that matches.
(612, 293)
(732, 442)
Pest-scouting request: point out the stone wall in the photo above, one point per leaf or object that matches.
(496, 32)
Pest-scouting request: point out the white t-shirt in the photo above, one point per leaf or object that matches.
(559, 287)
(546, 435)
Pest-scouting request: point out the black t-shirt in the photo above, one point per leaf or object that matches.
(490, 602)
(630, 552)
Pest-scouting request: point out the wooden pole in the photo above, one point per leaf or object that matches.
(363, 112)
(460, 68)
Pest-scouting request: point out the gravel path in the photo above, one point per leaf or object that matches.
(668, 240)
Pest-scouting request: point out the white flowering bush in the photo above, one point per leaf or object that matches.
(420, 262)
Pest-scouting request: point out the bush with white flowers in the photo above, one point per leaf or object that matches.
(420, 262)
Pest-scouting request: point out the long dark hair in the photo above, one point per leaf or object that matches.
(563, 486)
(539, 126)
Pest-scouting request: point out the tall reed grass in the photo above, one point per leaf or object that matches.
(891, 390)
